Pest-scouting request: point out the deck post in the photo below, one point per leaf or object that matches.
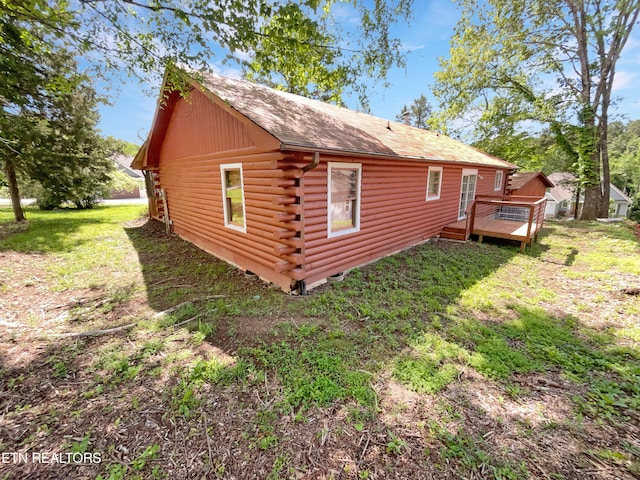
(470, 221)
(531, 209)
(515, 229)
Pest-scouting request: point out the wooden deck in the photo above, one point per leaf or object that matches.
(500, 217)
(490, 227)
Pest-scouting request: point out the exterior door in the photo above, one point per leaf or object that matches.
(467, 191)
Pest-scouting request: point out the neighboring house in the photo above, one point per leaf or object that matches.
(619, 203)
(296, 190)
(528, 184)
(123, 164)
(561, 199)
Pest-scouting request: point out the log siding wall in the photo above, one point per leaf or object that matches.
(286, 236)
(189, 172)
(394, 215)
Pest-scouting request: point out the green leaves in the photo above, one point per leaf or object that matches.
(418, 114)
(307, 53)
(299, 46)
(550, 62)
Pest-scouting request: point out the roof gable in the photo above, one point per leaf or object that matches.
(300, 123)
(520, 179)
(617, 195)
(123, 163)
(564, 186)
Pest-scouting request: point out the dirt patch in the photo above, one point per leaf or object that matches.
(128, 398)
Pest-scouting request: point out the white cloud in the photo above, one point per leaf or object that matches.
(243, 56)
(226, 70)
(408, 46)
(231, 72)
(624, 79)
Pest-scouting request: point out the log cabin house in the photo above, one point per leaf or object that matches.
(296, 190)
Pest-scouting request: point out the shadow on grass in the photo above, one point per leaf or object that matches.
(177, 271)
(541, 375)
(390, 299)
(402, 318)
(70, 396)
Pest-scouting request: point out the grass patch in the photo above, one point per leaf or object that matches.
(315, 370)
(424, 363)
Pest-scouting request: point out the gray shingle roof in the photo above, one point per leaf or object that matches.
(305, 123)
(564, 186)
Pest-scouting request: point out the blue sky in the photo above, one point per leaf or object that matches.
(427, 38)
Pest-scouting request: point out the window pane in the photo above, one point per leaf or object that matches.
(344, 188)
(467, 192)
(233, 194)
(434, 183)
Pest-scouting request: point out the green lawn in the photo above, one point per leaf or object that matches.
(445, 361)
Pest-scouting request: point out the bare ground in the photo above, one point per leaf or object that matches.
(55, 392)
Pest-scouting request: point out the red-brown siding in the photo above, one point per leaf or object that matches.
(533, 188)
(200, 137)
(286, 235)
(199, 126)
(394, 212)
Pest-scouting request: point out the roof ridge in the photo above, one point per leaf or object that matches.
(302, 122)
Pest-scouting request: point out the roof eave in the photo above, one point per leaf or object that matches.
(293, 147)
(140, 160)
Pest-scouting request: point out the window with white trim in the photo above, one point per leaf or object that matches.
(497, 184)
(343, 198)
(233, 196)
(434, 182)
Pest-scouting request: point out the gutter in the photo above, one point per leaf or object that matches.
(313, 164)
(291, 147)
(302, 284)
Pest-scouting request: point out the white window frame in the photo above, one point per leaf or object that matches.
(430, 171)
(352, 166)
(467, 172)
(224, 168)
(497, 185)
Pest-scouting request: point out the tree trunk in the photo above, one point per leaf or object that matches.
(603, 138)
(14, 192)
(589, 164)
(603, 210)
(591, 203)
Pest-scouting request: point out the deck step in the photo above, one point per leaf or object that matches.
(450, 236)
(453, 233)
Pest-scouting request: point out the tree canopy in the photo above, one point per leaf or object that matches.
(417, 114)
(141, 38)
(319, 58)
(625, 156)
(35, 71)
(51, 141)
(517, 63)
